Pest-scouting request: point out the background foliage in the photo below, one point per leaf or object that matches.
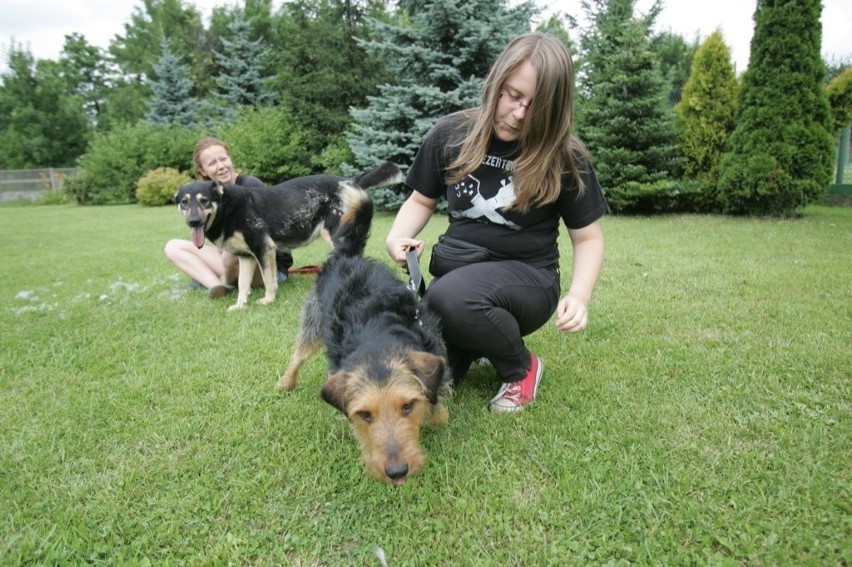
(157, 187)
(781, 149)
(350, 82)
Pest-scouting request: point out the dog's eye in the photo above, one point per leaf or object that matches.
(365, 415)
(406, 409)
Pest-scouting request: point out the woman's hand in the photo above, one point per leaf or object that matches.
(410, 220)
(398, 249)
(572, 315)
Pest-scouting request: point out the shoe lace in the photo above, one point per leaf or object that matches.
(513, 391)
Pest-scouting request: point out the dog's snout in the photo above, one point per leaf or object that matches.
(397, 471)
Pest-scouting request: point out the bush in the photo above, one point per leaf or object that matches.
(78, 187)
(662, 197)
(58, 197)
(117, 159)
(157, 187)
(265, 142)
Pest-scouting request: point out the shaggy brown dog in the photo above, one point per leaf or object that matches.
(387, 368)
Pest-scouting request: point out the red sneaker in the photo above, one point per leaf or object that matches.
(513, 396)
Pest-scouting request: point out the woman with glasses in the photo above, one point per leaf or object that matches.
(511, 169)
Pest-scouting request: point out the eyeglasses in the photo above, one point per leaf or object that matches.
(514, 100)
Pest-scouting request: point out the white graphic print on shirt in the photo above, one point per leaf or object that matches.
(469, 190)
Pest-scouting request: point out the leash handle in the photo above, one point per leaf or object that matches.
(415, 278)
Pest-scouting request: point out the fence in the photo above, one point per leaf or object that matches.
(31, 184)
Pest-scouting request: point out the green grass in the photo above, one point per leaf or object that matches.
(702, 419)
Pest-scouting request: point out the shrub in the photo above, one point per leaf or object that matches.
(267, 143)
(58, 197)
(158, 186)
(78, 187)
(117, 159)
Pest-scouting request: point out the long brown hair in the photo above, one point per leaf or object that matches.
(548, 145)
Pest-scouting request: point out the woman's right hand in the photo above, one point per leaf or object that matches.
(398, 249)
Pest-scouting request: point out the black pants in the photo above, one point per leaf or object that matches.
(487, 308)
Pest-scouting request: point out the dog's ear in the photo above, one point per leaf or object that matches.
(219, 188)
(429, 369)
(334, 391)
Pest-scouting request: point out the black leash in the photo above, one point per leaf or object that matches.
(416, 283)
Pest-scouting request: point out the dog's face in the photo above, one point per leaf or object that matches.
(198, 202)
(386, 415)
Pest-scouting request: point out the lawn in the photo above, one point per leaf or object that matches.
(703, 418)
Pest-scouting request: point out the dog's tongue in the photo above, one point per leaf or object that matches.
(198, 236)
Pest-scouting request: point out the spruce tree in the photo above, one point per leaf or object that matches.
(438, 60)
(627, 121)
(240, 81)
(705, 113)
(781, 149)
(172, 101)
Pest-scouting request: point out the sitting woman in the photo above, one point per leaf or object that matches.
(209, 267)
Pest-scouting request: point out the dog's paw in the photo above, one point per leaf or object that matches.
(286, 382)
(265, 300)
(236, 306)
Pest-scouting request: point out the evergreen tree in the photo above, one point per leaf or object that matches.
(437, 63)
(675, 56)
(781, 149)
(240, 81)
(839, 91)
(172, 101)
(626, 120)
(705, 114)
(321, 69)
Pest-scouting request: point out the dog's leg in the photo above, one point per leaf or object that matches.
(440, 414)
(308, 341)
(270, 275)
(300, 355)
(247, 265)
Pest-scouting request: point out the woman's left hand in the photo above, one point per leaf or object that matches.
(572, 315)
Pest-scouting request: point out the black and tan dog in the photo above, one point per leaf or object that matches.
(255, 223)
(387, 367)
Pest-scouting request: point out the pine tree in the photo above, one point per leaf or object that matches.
(240, 81)
(438, 61)
(626, 120)
(321, 70)
(172, 101)
(705, 113)
(781, 149)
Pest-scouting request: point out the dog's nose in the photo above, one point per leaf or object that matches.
(396, 471)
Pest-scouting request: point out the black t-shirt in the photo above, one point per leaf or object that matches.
(475, 204)
(249, 181)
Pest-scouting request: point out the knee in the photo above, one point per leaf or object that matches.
(173, 248)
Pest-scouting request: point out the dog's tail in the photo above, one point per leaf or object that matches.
(350, 237)
(386, 173)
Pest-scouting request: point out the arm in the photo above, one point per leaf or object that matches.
(410, 220)
(572, 313)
